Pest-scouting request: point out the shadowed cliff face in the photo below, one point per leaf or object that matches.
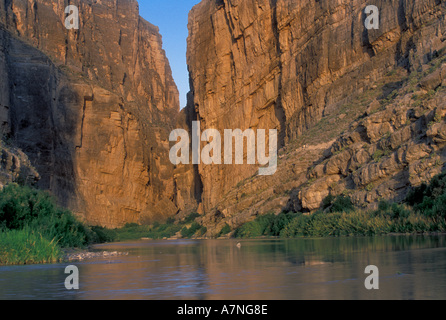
(291, 66)
(92, 108)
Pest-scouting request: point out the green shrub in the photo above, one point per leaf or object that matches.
(383, 206)
(430, 200)
(104, 235)
(251, 229)
(392, 211)
(202, 231)
(225, 230)
(130, 231)
(256, 228)
(297, 227)
(131, 225)
(189, 232)
(22, 207)
(341, 203)
(63, 227)
(191, 218)
(163, 231)
(328, 202)
(279, 223)
(377, 155)
(266, 225)
(336, 224)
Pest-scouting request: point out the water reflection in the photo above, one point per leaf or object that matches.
(410, 268)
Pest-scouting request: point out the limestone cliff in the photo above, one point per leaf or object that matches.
(358, 111)
(311, 70)
(92, 108)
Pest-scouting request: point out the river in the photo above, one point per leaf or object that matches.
(410, 267)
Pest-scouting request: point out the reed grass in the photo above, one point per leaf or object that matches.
(33, 229)
(19, 247)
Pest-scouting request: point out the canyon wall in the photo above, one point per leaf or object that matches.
(87, 113)
(92, 108)
(291, 66)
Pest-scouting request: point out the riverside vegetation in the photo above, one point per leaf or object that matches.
(424, 210)
(33, 229)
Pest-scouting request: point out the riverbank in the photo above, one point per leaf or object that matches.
(422, 211)
(38, 231)
(26, 248)
(19, 247)
(35, 230)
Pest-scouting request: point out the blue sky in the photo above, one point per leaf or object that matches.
(171, 17)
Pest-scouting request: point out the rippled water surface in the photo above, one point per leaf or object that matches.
(410, 268)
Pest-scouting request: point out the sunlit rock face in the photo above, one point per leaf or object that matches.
(92, 108)
(289, 65)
